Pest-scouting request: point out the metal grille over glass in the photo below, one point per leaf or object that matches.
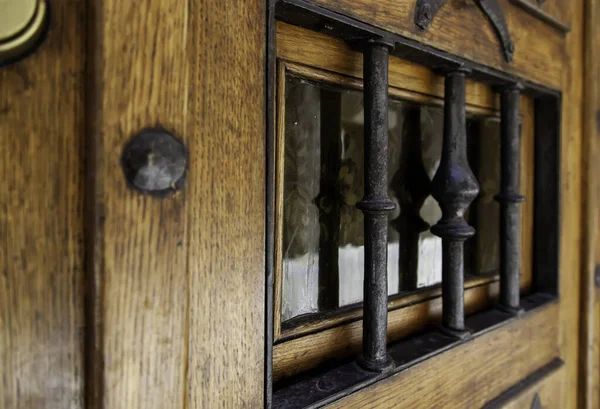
(348, 197)
(323, 234)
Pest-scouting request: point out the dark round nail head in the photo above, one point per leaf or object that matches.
(155, 162)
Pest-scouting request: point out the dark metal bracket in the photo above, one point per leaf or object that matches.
(426, 10)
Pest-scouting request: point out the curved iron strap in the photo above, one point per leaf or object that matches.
(427, 9)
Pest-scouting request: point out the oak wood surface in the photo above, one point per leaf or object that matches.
(139, 77)
(178, 288)
(318, 50)
(227, 210)
(546, 392)
(557, 9)
(470, 375)
(41, 220)
(461, 28)
(570, 210)
(590, 293)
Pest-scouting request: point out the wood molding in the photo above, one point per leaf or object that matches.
(446, 380)
(589, 395)
(461, 28)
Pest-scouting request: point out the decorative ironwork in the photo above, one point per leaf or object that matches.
(536, 403)
(454, 187)
(493, 11)
(425, 11)
(509, 199)
(155, 162)
(375, 205)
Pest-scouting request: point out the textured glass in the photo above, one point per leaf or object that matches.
(323, 233)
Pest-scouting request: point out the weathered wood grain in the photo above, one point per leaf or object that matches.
(179, 282)
(41, 220)
(461, 28)
(589, 394)
(227, 205)
(139, 76)
(469, 375)
(571, 209)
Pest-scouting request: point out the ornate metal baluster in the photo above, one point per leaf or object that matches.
(375, 206)
(509, 198)
(454, 187)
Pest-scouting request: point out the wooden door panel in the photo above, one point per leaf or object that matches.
(178, 288)
(461, 28)
(590, 283)
(42, 220)
(114, 299)
(470, 375)
(541, 390)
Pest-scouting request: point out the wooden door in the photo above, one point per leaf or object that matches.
(117, 294)
(111, 298)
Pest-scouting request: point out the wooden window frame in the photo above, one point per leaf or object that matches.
(546, 219)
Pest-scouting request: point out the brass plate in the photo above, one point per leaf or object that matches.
(21, 26)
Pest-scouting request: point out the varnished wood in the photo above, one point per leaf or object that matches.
(543, 389)
(589, 396)
(226, 211)
(293, 357)
(461, 28)
(559, 10)
(139, 77)
(317, 50)
(178, 294)
(41, 220)
(571, 196)
(446, 381)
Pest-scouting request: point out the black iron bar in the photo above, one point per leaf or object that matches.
(375, 205)
(454, 187)
(509, 198)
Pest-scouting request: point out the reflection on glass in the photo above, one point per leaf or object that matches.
(323, 237)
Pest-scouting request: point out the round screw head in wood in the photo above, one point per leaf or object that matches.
(155, 162)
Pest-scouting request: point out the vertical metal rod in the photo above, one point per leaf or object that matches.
(375, 205)
(509, 198)
(454, 187)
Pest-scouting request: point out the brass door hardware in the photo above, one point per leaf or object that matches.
(22, 26)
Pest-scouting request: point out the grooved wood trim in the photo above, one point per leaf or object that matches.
(557, 9)
(461, 28)
(589, 396)
(544, 388)
(41, 220)
(571, 200)
(178, 283)
(447, 380)
(318, 50)
(139, 77)
(227, 214)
